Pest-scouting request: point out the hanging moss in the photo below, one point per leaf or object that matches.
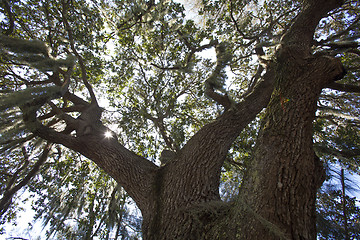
(34, 53)
(24, 46)
(19, 98)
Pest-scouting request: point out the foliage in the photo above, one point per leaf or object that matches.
(330, 219)
(81, 205)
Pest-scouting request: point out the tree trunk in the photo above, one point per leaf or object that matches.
(277, 197)
(280, 187)
(343, 203)
(279, 190)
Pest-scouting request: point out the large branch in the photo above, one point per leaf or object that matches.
(343, 153)
(344, 87)
(216, 80)
(55, 78)
(131, 171)
(202, 157)
(300, 36)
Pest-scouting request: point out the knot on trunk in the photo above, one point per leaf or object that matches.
(333, 68)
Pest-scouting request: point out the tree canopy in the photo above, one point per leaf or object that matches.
(109, 104)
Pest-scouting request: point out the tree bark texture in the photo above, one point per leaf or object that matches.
(285, 174)
(277, 198)
(279, 190)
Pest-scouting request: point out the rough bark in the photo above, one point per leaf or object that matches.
(279, 190)
(285, 173)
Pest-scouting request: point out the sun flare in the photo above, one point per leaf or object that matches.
(108, 134)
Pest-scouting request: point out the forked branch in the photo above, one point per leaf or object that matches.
(78, 56)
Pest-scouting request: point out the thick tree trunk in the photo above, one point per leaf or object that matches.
(279, 190)
(280, 187)
(186, 197)
(277, 197)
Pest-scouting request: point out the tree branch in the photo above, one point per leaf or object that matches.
(10, 16)
(223, 100)
(261, 54)
(253, 38)
(18, 171)
(80, 59)
(344, 87)
(138, 17)
(300, 35)
(207, 149)
(339, 153)
(267, 30)
(136, 174)
(341, 33)
(189, 56)
(11, 144)
(12, 190)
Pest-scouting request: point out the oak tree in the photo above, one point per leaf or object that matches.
(126, 84)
